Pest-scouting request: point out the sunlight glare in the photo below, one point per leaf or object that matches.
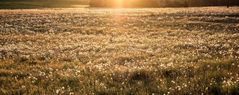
(119, 3)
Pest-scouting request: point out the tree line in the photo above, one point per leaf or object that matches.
(147, 3)
(166, 3)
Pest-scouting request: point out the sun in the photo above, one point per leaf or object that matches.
(124, 3)
(119, 3)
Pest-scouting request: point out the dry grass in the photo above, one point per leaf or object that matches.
(119, 51)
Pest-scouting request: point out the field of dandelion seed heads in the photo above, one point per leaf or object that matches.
(120, 51)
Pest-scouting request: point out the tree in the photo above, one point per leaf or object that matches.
(228, 3)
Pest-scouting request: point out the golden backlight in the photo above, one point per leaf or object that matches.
(119, 3)
(125, 3)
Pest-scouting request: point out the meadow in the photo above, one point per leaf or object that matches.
(103, 51)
